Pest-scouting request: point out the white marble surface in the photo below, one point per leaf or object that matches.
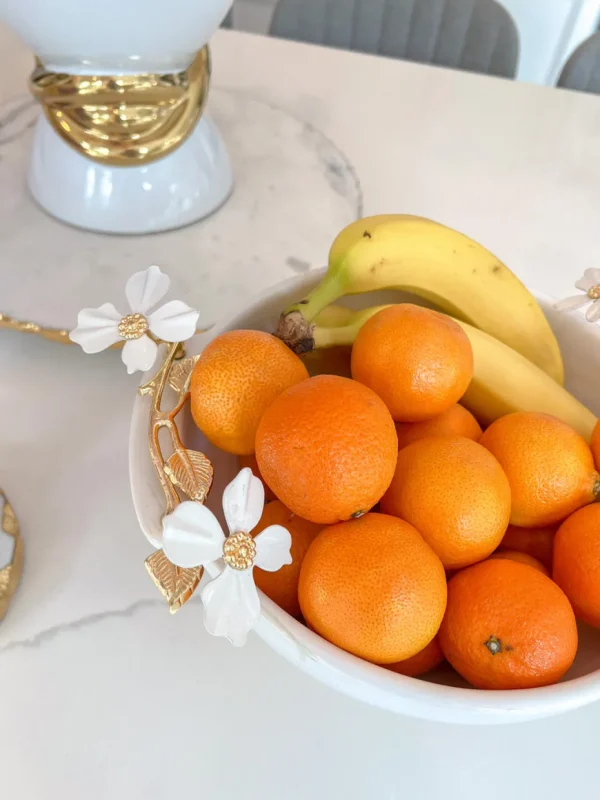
(263, 232)
(104, 695)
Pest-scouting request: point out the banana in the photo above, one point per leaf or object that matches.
(439, 264)
(503, 380)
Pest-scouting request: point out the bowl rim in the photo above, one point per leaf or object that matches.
(345, 672)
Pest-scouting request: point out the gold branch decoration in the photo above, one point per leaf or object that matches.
(142, 333)
(11, 553)
(184, 472)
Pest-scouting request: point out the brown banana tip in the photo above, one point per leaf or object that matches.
(296, 332)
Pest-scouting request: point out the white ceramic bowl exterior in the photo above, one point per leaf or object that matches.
(111, 38)
(442, 697)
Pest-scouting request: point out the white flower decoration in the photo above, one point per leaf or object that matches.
(590, 284)
(100, 328)
(193, 537)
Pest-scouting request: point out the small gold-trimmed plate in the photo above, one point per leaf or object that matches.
(11, 554)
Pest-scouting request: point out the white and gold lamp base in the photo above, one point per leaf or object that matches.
(123, 144)
(178, 189)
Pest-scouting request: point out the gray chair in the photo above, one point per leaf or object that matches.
(228, 21)
(582, 70)
(473, 35)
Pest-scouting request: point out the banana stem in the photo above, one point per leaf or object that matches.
(296, 323)
(330, 289)
(323, 336)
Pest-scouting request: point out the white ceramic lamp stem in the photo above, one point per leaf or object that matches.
(123, 38)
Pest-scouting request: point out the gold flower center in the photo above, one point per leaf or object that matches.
(594, 292)
(133, 326)
(239, 551)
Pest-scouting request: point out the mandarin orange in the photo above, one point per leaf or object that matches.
(577, 562)
(536, 542)
(507, 626)
(549, 466)
(418, 361)
(455, 494)
(327, 447)
(328, 361)
(521, 558)
(373, 587)
(595, 444)
(237, 377)
(424, 661)
(455, 420)
(282, 586)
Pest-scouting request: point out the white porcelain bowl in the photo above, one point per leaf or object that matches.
(442, 696)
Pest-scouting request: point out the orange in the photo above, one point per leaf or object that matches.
(327, 447)
(418, 361)
(595, 444)
(373, 587)
(536, 542)
(549, 467)
(455, 420)
(507, 626)
(455, 494)
(250, 461)
(237, 377)
(425, 660)
(328, 361)
(282, 586)
(577, 562)
(522, 558)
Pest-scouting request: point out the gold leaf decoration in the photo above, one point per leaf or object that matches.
(176, 584)
(9, 523)
(185, 472)
(181, 374)
(147, 389)
(191, 472)
(10, 574)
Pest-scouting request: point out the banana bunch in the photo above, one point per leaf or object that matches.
(517, 361)
(503, 380)
(438, 264)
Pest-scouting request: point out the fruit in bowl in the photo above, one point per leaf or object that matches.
(331, 645)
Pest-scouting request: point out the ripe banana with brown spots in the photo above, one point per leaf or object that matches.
(446, 268)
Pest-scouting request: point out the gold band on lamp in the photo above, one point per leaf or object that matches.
(124, 120)
(11, 553)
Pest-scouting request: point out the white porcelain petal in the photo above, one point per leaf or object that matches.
(273, 548)
(591, 277)
(231, 605)
(243, 502)
(139, 354)
(192, 535)
(146, 288)
(174, 322)
(584, 284)
(97, 328)
(593, 312)
(573, 302)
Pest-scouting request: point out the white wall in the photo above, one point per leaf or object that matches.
(550, 30)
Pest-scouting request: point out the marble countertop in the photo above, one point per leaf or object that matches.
(104, 695)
